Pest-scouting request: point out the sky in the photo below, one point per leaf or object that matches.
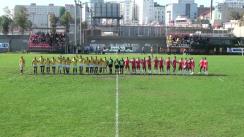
(12, 3)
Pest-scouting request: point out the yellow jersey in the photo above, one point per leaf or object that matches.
(34, 62)
(53, 61)
(21, 61)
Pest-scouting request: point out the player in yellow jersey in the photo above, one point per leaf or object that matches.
(81, 64)
(35, 65)
(42, 64)
(96, 63)
(68, 62)
(60, 66)
(91, 65)
(74, 63)
(53, 63)
(21, 64)
(101, 65)
(64, 65)
(48, 63)
(87, 63)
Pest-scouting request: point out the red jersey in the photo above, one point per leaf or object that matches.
(180, 63)
(138, 63)
(127, 62)
(201, 63)
(174, 63)
(184, 63)
(144, 63)
(168, 63)
(161, 63)
(205, 64)
(133, 63)
(149, 63)
(156, 63)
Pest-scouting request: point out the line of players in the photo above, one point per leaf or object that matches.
(130, 66)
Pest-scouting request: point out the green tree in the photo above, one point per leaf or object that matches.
(66, 20)
(5, 22)
(53, 23)
(61, 11)
(20, 18)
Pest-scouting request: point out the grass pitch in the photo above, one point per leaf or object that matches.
(149, 106)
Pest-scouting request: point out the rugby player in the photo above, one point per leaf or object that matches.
(48, 62)
(138, 65)
(53, 62)
(64, 65)
(161, 65)
(127, 64)
(74, 63)
(201, 64)
(60, 66)
(180, 68)
(205, 66)
(35, 65)
(168, 64)
(110, 65)
(133, 65)
(156, 64)
(121, 66)
(42, 64)
(21, 64)
(87, 63)
(144, 65)
(68, 62)
(149, 64)
(174, 62)
(116, 65)
(81, 64)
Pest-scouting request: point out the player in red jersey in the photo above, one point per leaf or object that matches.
(168, 63)
(144, 65)
(201, 64)
(149, 64)
(205, 66)
(161, 65)
(127, 64)
(180, 65)
(133, 65)
(192, 65)
(174, 62)
(156, 65)
(138, 65)
(185, 66)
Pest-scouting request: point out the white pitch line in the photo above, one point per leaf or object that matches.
(117, 108)
(221, 79)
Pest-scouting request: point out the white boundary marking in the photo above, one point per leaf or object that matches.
(221, 79)
(117, 107)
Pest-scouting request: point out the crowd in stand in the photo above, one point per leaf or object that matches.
(95, 65)
(179, 40)
(56, 39)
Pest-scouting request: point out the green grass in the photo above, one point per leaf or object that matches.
(149, 106)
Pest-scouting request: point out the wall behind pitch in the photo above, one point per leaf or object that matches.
(16, 42)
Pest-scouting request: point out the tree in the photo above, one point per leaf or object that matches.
(5, 22)
(66, 20)
(21, 19)
(61, 11)
(7, 12)
(53, 23)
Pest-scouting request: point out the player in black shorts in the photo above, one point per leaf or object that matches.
(121, 66)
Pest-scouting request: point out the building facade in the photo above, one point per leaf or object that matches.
(38, 14)
(145, 11)
(186, 8)
(159, 13)
(235, 3)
